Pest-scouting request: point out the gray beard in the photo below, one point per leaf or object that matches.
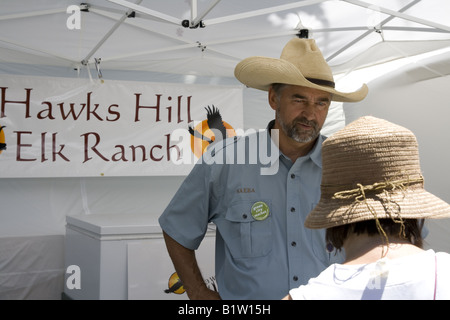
(293, 132)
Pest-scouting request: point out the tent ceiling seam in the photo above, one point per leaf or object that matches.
(260, 12)
(37, 50)
(398, 14)
(31, 14)
(376, 29)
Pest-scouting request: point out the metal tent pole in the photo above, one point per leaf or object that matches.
(185, 45)
(399, 14)
(193, 10)
(137, 7)
(365, 34)
(105, 12)
(195, 21)
(107, 35)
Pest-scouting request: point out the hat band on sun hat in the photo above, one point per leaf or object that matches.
(321, 82)
(360, 192)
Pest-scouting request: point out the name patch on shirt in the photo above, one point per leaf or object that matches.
(245, 190)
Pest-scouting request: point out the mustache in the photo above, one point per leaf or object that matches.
(303, 120)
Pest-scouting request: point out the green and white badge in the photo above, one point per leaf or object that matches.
(260, 210)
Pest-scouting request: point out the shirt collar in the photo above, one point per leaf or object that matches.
(315, 154)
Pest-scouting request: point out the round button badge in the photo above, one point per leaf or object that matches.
(260, 210)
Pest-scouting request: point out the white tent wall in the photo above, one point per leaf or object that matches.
(34, 40)
(33, 223)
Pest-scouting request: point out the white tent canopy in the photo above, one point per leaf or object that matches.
(151, 36)
(195, 42)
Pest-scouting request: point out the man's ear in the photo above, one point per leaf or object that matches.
(273, 99)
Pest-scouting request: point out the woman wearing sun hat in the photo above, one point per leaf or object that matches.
(372, 205)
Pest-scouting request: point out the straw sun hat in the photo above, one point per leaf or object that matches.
(371, 170)
(301, 63)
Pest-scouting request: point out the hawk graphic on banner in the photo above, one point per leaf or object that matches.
(2, 139)
(206, 131)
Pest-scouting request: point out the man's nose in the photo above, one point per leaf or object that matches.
(309, 110)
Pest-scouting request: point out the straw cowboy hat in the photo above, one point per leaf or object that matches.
(371, 170)
(301, 63)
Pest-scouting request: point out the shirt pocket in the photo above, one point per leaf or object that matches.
(318, 245)
(245, 236)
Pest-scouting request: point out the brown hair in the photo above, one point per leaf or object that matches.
(409, 229)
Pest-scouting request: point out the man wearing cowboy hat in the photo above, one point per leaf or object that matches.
(262, 248)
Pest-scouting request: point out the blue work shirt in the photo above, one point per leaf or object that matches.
(257, 257)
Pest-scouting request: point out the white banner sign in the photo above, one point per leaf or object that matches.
(60, 127)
